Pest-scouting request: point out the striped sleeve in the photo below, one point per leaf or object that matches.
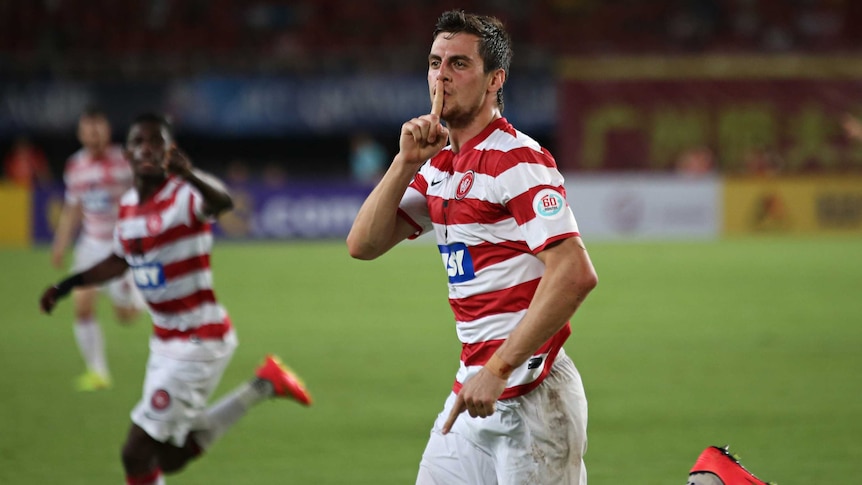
(531, 188)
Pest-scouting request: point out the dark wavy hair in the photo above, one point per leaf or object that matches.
(495, 45)
(155, 118)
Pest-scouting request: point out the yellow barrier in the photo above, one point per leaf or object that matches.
(15, 219)
(799, 205)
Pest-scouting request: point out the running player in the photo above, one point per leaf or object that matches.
(95, 177)
(164, 235)
(517, 268)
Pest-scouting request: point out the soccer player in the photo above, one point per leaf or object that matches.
(96, 176)
(516, 264)
(164, 235)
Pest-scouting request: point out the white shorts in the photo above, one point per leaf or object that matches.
(122, 291)
(177, 390)
(538, 438)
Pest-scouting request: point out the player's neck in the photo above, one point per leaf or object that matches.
(459, 135)
(148, 186)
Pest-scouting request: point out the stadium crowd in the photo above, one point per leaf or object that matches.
(76, 39)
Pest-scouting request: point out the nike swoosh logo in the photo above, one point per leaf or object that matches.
(435, 182)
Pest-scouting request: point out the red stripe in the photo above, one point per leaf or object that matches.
(505, 161)
(192, 216)
(419, 183)
(551, 240)
(185, 303)
(165, 237)
(488, 254)
(478, 354)
(148, 479)
(507, 300)
(417, 227)
(465, 211)
(443, 161)
(498, 124)
(180, 268)
(204, 332)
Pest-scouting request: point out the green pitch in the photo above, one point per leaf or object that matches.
(753, 343)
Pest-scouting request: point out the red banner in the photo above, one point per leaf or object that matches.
(735, 115)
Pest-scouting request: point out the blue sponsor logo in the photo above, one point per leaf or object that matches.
(457, 261)
(97, 201)
(149, 276)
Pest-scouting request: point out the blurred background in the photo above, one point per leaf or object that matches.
(313, 93)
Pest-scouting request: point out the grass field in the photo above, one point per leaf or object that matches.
(751, 342)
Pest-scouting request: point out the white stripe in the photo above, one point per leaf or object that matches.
(505, 274)
(206, 313)
(415, 206)
(186, 247)
(503, 141)
(520, 376)
(178, 288)
(474, 234)
(493, 327)
(539, 230)
(196, 244)
(524, 176)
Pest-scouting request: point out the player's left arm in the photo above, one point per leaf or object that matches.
(107, 269)
(568, 279)
(217, 198)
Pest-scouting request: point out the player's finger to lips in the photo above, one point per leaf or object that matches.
(437, 103)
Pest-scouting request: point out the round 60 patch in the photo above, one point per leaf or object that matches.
(549, 204)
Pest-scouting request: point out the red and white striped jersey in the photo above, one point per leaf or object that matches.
(493, 206)
(97, 185)
(167, 241)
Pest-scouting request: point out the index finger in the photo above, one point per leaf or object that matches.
(459, 407)
(437, 102)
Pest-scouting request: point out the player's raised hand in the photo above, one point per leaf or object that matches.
(437, 99)
(423, 137)
(478, 397)
(177, 162)
(48, 300)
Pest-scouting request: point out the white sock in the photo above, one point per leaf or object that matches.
(88, 334)
(219, 417)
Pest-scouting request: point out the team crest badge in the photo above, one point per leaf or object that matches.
(154, 224)
(465, 185)
(160, 400)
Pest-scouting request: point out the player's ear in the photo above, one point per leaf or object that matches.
(496, 81)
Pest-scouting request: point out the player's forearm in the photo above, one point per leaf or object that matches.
(67, 225)
(217, 198)
(564, 287)
(374, 228)
(107, 269)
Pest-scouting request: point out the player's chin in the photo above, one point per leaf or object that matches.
(150, 171)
